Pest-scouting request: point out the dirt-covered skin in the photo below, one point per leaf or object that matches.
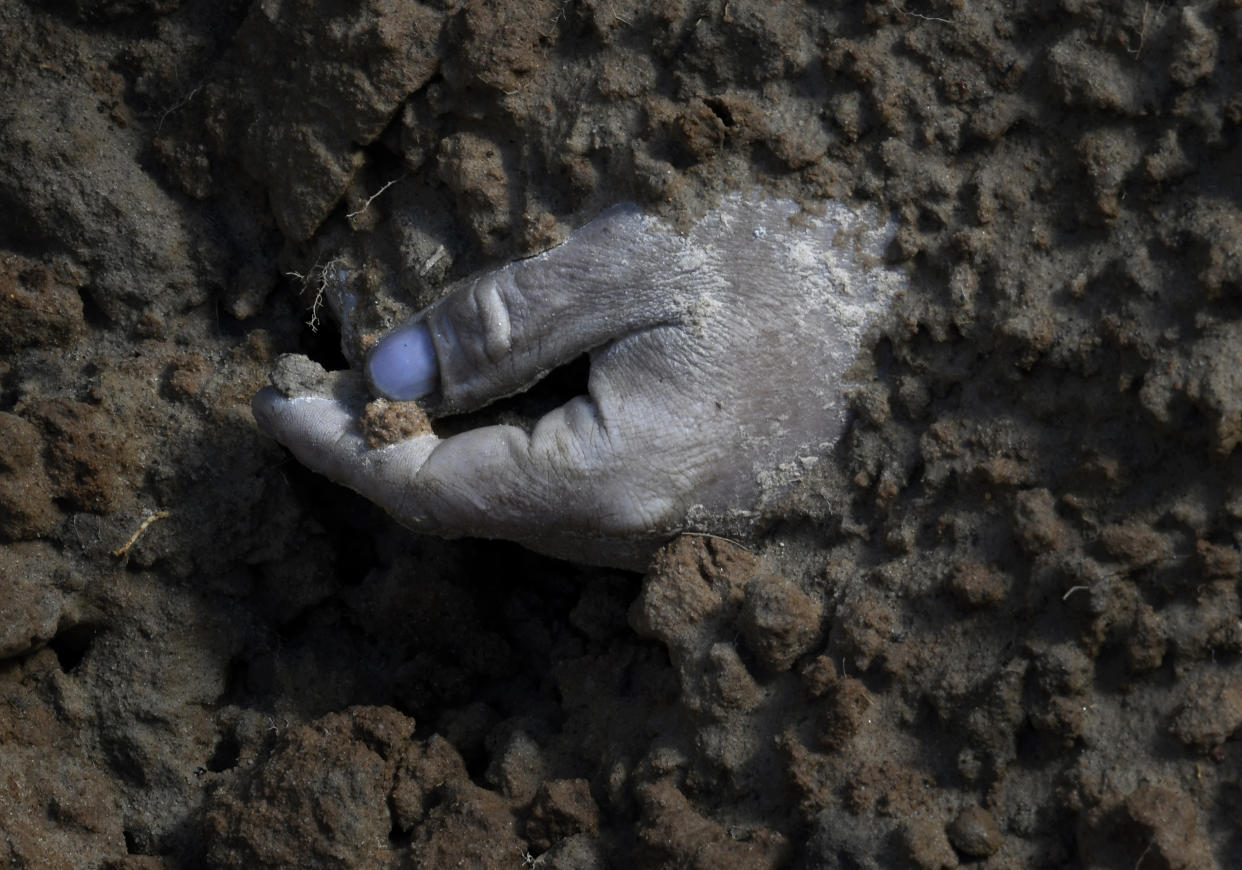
(999, 628)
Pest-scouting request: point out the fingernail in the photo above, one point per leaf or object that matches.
(263, 406)
(403, 366)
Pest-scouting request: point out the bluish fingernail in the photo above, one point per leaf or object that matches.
(403, 366)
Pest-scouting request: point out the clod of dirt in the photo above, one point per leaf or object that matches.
(579, 852)
(423, 768)
(1210, 712)
(518, 762)
(1218, 562)
(298, 99)
(863, 628)
(32, 601)
(323, 798)
(1206, 378)
(690, 600)
(974, 833)
(1137, 545)
(672, 831)
(1148, 639)
(818, 674)
(187, 376)
(501, 43)
(562, 808)
(692, 581)
(977, 586)
(470, 827)
(111, 215)
(1107, 157)
(847, 710)
(384, 422)
(1092, 77)
(87, 456)
(27, 509)
(724, 684)
(473, 168)
(926, 846)
(43, 779)
(1153, 826)
(39, 304)
(1195, 50)
(1037, 525)
(779, 621)
(318, 800)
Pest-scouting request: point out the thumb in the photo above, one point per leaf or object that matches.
(498, 334)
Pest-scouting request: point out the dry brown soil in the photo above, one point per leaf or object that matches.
(1000, 628)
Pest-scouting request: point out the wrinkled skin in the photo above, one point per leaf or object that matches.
(716, 366)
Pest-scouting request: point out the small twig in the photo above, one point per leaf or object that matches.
(122, 552)
(159, 125)
(1142, 35)
(1074, 589)
(905, 11)
(429, 264)
(718, 538)
(370, 199)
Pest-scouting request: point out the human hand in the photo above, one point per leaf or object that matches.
(717, 360)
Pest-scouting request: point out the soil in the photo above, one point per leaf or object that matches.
(1000, 628)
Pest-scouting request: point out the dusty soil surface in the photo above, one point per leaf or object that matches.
(1000, 628)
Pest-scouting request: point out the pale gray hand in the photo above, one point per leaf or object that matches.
(717, 360)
